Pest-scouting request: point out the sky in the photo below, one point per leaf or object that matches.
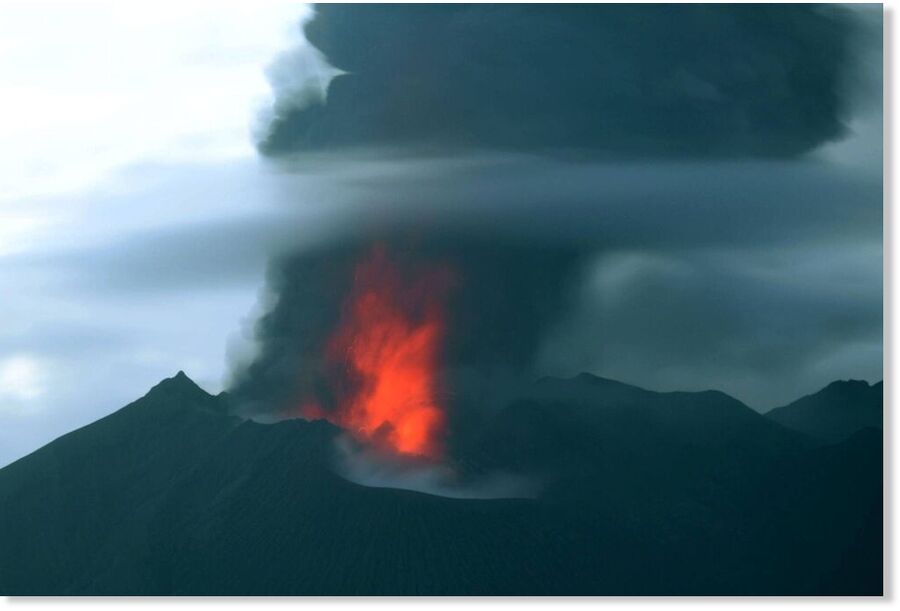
(121, 124)
(138, 217)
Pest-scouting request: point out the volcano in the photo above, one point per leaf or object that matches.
(640, 493)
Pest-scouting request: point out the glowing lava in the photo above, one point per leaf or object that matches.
(384, 359)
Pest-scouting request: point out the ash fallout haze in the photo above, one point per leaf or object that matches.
(462, 299)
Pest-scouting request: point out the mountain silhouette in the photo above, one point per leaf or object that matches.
(76, 505)
(634, 493)
(836, 412)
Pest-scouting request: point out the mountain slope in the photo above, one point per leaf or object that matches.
(66, 507)
(701, 481)
(285, 524)
(836, 412)
(639, 493)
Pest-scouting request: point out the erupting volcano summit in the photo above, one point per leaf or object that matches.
(383, 359)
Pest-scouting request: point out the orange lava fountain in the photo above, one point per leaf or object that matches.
(385, 357)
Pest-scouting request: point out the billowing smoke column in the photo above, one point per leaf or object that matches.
(348, 327)
(422, 329)
(383, 361)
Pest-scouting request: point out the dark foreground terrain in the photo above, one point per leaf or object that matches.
(641, 493)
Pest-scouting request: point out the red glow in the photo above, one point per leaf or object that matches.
(385, 359)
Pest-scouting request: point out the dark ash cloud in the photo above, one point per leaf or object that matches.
(505, 295)
(650, 114)
(618, 80)
(758, 278)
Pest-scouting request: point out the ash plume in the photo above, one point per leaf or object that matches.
(590, 188)
(507, 295)
(707, 81)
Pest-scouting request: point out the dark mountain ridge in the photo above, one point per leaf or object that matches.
(63, 505)
(836, 412)
(640, 493)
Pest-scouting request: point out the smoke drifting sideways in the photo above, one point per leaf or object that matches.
(362, 466)
(522, 147)
(526, 238)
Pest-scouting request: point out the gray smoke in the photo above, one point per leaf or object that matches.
(376, 470)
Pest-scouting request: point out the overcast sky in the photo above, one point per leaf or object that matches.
(122, 123)
(137, 220)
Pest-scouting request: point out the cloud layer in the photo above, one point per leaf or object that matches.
(762, 279)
